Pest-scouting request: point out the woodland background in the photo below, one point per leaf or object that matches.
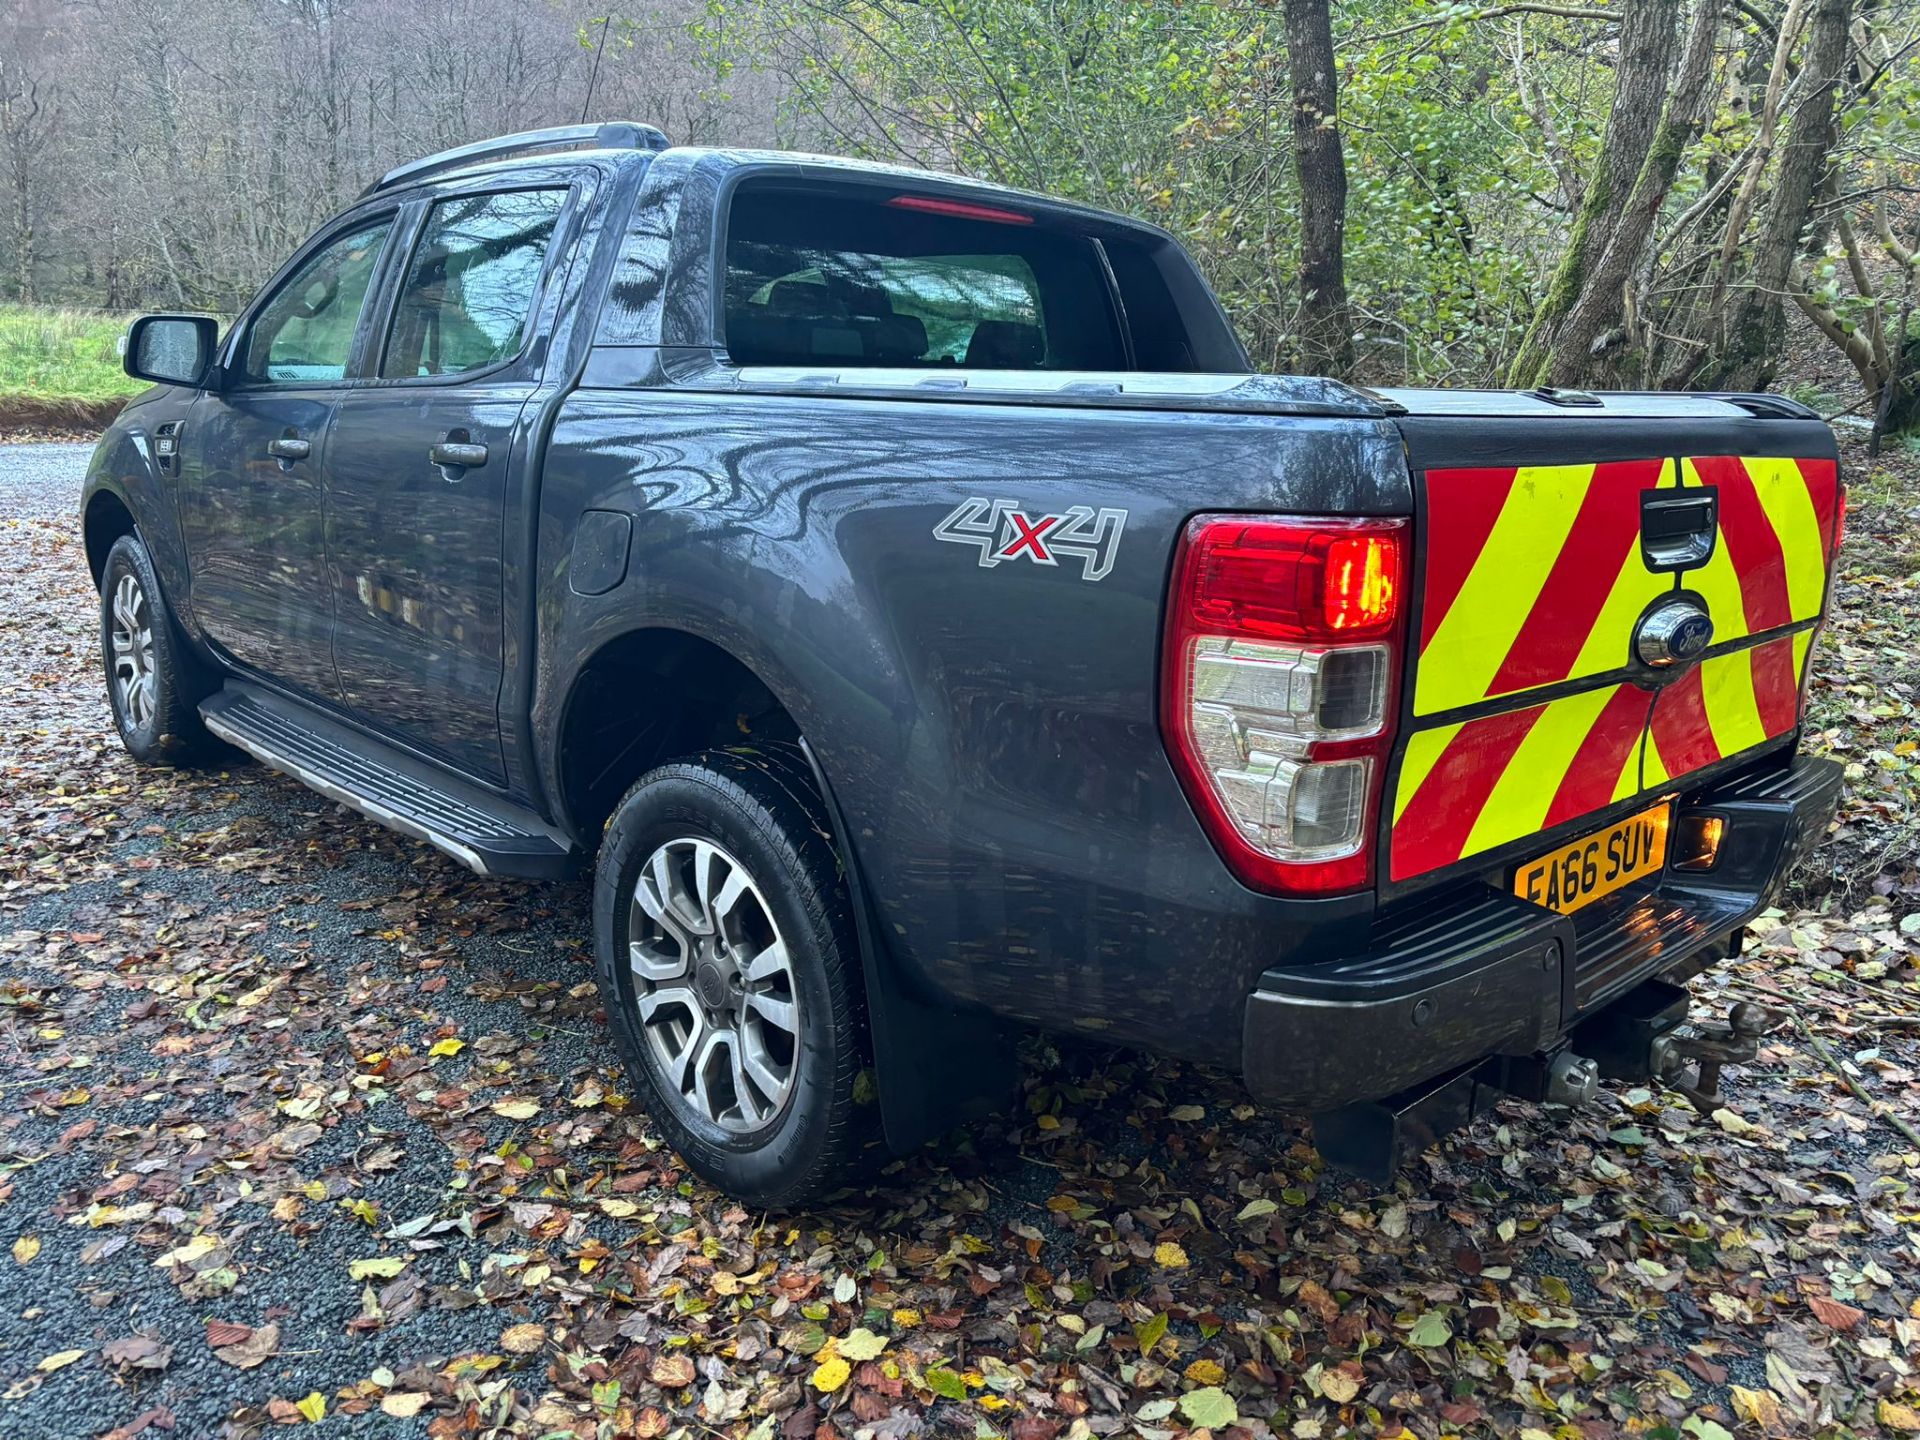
(1710, 194)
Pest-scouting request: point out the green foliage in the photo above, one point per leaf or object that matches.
(1471, 133)
(62, 354)
(1180, 114)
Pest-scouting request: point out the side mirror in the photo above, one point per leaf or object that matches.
(171, 349)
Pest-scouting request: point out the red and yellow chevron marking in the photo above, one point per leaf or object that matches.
(1769, 567)
(1534, 576)
(1476, 785)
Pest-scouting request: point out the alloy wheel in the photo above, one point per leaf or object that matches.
(714, 986)
(131, 642)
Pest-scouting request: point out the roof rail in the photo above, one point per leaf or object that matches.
(614, 135)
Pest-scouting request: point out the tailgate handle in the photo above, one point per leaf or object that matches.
(1678, 528)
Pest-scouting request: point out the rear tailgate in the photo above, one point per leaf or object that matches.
(1550, 539)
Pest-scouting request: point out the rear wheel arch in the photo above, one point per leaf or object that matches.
(614, 727)
(936, 1065)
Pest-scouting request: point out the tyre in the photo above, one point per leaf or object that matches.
(153, 685)
(731, 975)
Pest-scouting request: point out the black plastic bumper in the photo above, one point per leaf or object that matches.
(1485, 973)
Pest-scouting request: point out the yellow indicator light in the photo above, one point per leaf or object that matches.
(1697, 847)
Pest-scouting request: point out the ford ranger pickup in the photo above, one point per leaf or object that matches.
(902, 595)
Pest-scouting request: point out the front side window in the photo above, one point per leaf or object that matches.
(471, 283)
(819, 278)
(304, 334)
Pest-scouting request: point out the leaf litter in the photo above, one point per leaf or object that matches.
(309, 1128)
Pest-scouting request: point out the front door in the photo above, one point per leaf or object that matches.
(419, 474)
(252, 505)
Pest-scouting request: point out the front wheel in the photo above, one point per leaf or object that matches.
(731, 975)
(153, 686)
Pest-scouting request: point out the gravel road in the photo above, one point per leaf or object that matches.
(41, 482)
(244, 868)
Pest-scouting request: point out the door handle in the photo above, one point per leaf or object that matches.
(289, 448)
(456, 455)
(1678, 527)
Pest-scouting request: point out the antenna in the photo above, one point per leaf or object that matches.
(594, 76)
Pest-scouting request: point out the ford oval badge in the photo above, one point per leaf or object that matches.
(1675, 633)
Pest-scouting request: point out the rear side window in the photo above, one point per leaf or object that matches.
(818, 278)
(471, 283)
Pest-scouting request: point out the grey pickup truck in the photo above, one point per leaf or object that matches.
(901, 592)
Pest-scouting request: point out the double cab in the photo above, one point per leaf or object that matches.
(903, 596)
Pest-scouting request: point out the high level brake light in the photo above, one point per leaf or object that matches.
(1282, 647)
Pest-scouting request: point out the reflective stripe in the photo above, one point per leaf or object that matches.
(1802, 644)
(1424, 749)
(1733, 710)
(1467, 788)
(1458, 666)
(1519, 800)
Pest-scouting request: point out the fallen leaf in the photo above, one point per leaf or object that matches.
(198, 1248)
(523, 1339)
(1341, 1383)
(672, 1371)
(58, 1361)
(404, 1404)
(1760, 1408)
(26, 1248)
(516, 1109)
(1210, 1409)
(945, 1383)
(448, 1046)
(831, 1374)
(862, 1344)
(1431, 1330)
(258, 1348)
(314, 1407)
(222, 1333)
(1169, 1256)
(1895, 1416)
(1833, 1313)
(385, 1267)
(138, 1352)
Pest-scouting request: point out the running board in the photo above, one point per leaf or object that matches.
(485, 833)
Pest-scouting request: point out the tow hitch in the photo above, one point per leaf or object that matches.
(1636, 1038)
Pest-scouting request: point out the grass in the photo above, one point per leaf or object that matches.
(62, 354)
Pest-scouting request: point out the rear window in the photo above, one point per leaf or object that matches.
(817, 278)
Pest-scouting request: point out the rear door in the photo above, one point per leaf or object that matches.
(422, 465)
(1552, 547)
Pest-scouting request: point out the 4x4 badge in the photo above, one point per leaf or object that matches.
(1001, 530)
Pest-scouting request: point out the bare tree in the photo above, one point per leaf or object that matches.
(1642, 78)
(1326, 324)
(29, 122)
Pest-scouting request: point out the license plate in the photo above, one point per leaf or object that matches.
(1596, 866)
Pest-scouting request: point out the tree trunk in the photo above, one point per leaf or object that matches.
(1750, 353)
(1591, 338)
(1647, 33)
(1326, 324)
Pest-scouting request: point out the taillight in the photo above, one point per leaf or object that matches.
(1839, 522)
(1282, 646)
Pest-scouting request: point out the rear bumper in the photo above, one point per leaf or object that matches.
(1485, 973)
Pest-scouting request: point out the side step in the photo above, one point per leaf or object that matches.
(485, 833)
